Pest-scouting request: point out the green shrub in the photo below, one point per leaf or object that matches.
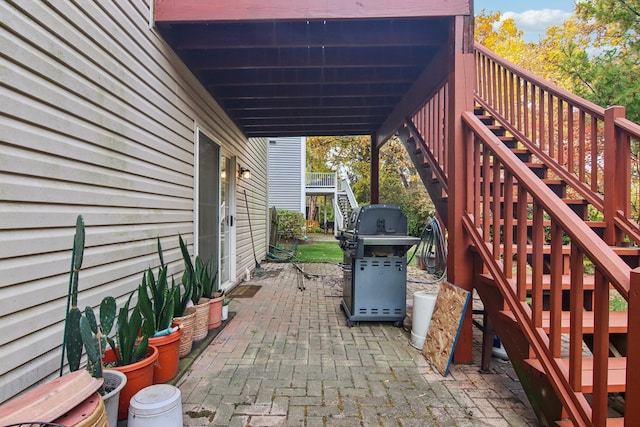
(290, 224)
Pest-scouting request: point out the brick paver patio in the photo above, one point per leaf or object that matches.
(287, 358)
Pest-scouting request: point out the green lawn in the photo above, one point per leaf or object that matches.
(319, 252)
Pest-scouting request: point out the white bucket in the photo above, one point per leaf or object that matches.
(156, 405)
(423, 304)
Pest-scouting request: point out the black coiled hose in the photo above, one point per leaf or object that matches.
(432, 250)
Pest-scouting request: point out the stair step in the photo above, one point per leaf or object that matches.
(558, 186)
(617, 321)
(588, 281)
(510, 141)
(547, 223)
(622, 251)
(611, 422)
(498, 130)
(616, 378)
(485, 118)
(523, 154)
(540, 169)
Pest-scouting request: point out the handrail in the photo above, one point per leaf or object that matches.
(346, 187)
(566, 126)
(584, 104)
(625, 131)
(337, 215)
(490, 223)
(601, 255)
(584, 144)
(430, 125)
(595, 199)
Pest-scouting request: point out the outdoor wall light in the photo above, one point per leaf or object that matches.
(244, 173)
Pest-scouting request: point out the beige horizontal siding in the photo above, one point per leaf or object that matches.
(97, 118)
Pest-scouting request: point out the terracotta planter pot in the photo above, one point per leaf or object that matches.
(201, 326)
(215, 312)
(166, 367)
(139, 375)
(187, 321)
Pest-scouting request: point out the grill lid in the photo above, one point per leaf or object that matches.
(377, 220)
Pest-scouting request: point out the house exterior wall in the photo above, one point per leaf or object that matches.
(287, 173)
(98, 117)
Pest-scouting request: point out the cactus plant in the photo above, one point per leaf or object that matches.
(72, 340)
(94, 335)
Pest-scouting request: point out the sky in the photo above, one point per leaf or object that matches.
(532, 17)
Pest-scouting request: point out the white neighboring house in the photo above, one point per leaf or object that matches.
(289, 184)
(286, 173)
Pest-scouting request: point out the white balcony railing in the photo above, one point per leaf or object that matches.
(321, 180)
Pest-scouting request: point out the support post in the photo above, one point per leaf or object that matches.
(375, 171)
(617, 179)
(461, 83)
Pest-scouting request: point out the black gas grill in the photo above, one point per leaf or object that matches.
(375, 244)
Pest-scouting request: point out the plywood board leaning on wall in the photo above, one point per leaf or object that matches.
(444, 328)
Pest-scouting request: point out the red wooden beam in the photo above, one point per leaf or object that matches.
(173, 11)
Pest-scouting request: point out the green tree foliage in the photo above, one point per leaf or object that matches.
(290, 224)
(594, 54)
(400, 185)
(399, 181)
(606, 71)
(503, 37)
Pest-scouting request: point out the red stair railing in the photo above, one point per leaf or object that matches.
(584, 144)
(588, 147)
(491, 221)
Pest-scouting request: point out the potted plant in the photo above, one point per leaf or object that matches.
(156, 301)
(83, 331)
(130, 354)
(201, 303)
(208, 278)
(95, 344)
(184, 314)
(225, 308)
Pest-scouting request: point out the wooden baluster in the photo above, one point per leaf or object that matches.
(575, 318)
(537, 235)
(600, 349)
(507, 229)
(632, 395)
(557, 264)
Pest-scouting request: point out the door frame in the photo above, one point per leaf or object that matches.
(222, 154)
(232, 181)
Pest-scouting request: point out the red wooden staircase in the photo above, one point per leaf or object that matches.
(550, 222)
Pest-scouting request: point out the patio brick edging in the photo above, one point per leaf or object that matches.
(197, 349)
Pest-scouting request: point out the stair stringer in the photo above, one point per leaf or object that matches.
(538, 388)
(436, 187)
